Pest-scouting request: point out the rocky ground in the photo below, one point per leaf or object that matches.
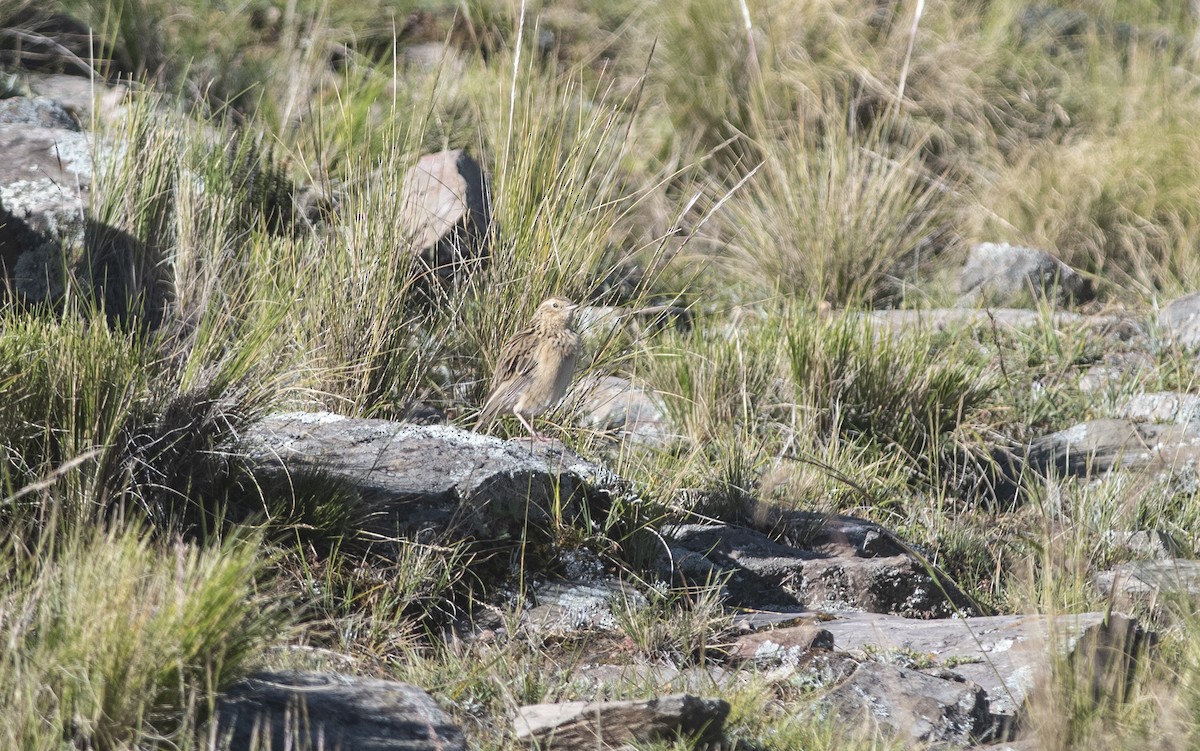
(871, 628)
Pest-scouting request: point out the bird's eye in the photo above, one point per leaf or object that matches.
(554, 304)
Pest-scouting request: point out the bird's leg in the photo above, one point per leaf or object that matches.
(533, 434)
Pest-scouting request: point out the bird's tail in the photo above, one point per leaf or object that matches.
(486, 416)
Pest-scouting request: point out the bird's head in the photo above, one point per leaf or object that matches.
(556, 310)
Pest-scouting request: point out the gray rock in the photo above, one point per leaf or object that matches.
(82, 97)
(1010, 275)
(604, 680)
(1149, 544)
(913, 705)
(578, 724)
(628, 411)
(1141, 582)
(1007, 656)
(1180, 320)
(45, 175)
(445, 210)
(880, 576)
(1162, 407)
(1093, 448)
(37, 111)
(425, 481)
(328, 710)
(567, 607)
(1113, 369)
(782, 646)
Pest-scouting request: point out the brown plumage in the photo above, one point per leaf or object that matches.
(535, 366)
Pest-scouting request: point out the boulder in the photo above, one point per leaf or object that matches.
(851, 565)
(1007, 656)
(1009, 275)
(1161, 407)
(445, 210)
(628, 411)
(916, 706)
(44, 181)
(1180, 320)
(611, 724)
(426, 481)
(1093, 448)
(287, 710)
(1147, 582)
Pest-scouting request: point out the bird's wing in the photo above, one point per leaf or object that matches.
(513, 374)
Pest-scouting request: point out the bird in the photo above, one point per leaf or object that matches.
(535, 366)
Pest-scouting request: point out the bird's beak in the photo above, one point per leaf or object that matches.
(573, 307)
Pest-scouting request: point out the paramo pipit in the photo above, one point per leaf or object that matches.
(535, 366)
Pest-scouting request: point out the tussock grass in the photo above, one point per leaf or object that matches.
(114, 641)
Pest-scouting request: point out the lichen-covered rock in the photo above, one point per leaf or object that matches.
(425, 481)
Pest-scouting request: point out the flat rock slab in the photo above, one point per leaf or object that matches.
(611, 724)
(914, 705)
(1005, 655)
(849, 570)
(333, 711)
(1089, 449)
(1143, 580)
(414, 480)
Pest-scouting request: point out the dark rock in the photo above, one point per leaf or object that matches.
(333, 711)
(770, 575)
(1008, 275)
(445, 211)
(427, 481)
(58, 42)
(913, 705)
(578, 724)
